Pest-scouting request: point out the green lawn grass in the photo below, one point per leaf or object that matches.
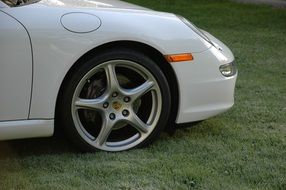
(244, 148)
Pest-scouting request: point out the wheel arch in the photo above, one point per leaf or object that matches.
(147, 50)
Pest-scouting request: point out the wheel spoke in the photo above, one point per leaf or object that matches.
(138, 124)
(92, 104)
(139, 91)
(112, 82)
(104, 132)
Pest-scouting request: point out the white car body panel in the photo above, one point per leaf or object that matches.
(203, 91)
(88, 4)
(66, 47)
(16, 70)
(202, 97)
(2, 5)
(26, 129)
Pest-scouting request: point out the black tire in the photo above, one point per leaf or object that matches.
(74, 119)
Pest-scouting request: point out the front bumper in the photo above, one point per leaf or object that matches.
(203, 90)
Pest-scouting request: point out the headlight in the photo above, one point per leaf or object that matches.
(194, 28)
(228, 70)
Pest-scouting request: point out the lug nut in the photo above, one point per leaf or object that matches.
(125, 113)
(114, 94)
(112, 116)
(126, 99)
(105, 105)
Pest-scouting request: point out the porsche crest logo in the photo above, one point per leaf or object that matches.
(116, 105)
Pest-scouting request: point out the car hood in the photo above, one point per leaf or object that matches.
(90, 4)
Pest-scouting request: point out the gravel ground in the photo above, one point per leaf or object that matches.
(274, 3)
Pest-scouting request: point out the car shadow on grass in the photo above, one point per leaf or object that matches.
(56, 145)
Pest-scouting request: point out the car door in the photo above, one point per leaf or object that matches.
(15, 69)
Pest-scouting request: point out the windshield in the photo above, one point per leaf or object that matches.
(14, 3)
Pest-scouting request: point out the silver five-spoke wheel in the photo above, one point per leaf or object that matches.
(117, 102)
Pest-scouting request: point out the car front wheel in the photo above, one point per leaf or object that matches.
(115, 101)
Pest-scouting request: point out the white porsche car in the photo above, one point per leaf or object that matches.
(113, 75)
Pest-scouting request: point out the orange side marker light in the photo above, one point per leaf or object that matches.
(179, 57)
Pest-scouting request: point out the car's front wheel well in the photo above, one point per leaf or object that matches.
(147, 50)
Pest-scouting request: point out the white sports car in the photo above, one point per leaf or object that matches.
(110, 73)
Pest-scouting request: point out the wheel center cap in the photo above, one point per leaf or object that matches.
(116, 105)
